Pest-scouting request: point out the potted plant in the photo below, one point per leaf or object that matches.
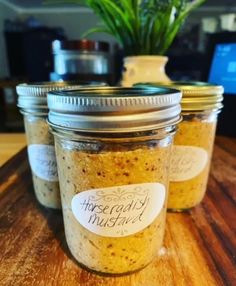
(145, 29)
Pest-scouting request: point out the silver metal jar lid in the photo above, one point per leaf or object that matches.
(32, 98)
(197, 96)
(114, 109)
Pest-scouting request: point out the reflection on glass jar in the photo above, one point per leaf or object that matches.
(113, 166)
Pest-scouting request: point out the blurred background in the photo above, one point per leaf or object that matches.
(41, 42)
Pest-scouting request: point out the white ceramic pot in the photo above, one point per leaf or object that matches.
(139, 69)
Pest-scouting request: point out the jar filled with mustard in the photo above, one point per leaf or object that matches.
(113, 148)
(193, 143)
(32, 102)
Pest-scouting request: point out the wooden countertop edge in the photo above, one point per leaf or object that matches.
(5, 180)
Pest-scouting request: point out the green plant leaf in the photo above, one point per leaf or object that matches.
(142, 27)
(97, 30)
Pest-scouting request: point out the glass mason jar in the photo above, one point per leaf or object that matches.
(32, 102)
(193, 143)
(113, 149)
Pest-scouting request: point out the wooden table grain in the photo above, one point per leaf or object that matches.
(199, 247)
(10, 144)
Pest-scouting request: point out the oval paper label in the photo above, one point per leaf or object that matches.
(42, 160)
(119, 211)
(187, 162)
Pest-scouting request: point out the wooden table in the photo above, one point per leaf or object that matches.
(199, 247)
(10, 144)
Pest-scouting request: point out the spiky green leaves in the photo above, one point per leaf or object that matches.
(142, 27)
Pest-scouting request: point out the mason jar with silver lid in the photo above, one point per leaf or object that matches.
(193, 143)
(84, 59)
(113, 149)
(32, 101)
